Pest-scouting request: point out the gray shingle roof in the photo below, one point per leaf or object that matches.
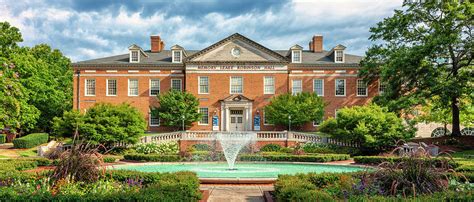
(163, 58)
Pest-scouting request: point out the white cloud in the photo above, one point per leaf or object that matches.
(99, 33)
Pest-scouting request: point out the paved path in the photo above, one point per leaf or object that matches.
(236, 193)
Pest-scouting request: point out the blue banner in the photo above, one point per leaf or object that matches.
(256, 123)
(215, 122)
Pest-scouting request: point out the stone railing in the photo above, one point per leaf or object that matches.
(261, 136)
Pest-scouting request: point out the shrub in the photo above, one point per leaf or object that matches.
(311, 147)
(153, 157)
(295, 158)
(30, 140)
(155, 148)
(304, 107)
(371, 125)
(109, 159)
(202, 147)
(286, 150)
(376, 160)
(3, 138)
(271, 148)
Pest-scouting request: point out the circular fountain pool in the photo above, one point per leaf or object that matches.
(243, 170)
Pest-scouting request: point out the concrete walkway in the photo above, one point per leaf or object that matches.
(236, 193)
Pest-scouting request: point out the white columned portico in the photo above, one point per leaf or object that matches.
(233, 104)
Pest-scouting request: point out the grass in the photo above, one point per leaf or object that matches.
(469, 154)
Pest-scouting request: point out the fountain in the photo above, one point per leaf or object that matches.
(233, 142)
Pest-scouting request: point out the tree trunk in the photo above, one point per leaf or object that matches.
(455, 111)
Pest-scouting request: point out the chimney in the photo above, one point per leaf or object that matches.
(156, 44)
(316, 45)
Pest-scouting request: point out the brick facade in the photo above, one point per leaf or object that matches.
(157, 65)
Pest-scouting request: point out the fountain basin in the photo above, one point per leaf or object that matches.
(243, 170)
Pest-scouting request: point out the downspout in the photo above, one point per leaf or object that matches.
(78, 90)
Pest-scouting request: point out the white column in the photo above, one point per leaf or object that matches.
(222, 127)
(248, 123)
(227, 118)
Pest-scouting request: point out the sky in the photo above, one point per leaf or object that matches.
(88, 29)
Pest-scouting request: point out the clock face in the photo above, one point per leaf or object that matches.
(235, 52)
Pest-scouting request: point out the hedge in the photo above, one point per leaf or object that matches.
(375, 160)
(179, 186)
(295, 158)
(109, 159)
(3, 138)
(153, 157)
(30, 140)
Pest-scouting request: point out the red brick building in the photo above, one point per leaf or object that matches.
(233, 79)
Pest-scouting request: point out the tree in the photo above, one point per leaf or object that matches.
(174, 105)
(371, 125)
(44, 74)
(303, 107)
(103, 124)
(426, 52)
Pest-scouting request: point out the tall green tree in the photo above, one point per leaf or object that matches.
(176, 106)
(425, 51)
(45, 76)
(303, 108)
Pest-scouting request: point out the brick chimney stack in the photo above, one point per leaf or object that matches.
(316, 45)
(157, 45)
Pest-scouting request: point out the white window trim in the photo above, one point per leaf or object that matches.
(153, 125)
(204, 124)
(107, 87)
(208, 85)
(335, 88)
(128, 88)
(265, 118)
(366, 89)
(180, 84)
(380, 92)
(230, 85)
(159, 87)
(292, 58)
(264, 84)
(180, 56)
(317, 125)
(138, 56)
(322, 86)
(292, 86)
(85, 88)
(335, 56)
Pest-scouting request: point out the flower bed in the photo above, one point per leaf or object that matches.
(375, 160)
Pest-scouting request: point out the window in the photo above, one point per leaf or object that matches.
(236, 84)
(382, 87)
(154, 119)
(361, 87)
(133, 87)
(317, 122)
(90, 87)
(205, 116)
(203, 85)
(265, 121)
(111, 87)
(176, 56)
(297, 87)
(269, 85)
(340, 87)
(318, 87)
(339, 56)
(296, 56)
(154, 87)
(176, 84)
(134, 56)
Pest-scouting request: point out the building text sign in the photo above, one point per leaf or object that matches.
(236, 67)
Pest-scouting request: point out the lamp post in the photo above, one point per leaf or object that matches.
(289, 129)
(182, 121)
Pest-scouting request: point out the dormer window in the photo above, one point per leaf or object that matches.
(339, 56)
(296, 56)
(134, 56)
(177, 56)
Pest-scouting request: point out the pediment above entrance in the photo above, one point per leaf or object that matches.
(236, 48)
(236, 98)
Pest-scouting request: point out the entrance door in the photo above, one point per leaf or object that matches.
(236, 120)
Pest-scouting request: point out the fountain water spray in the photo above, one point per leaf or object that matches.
(233, 142)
